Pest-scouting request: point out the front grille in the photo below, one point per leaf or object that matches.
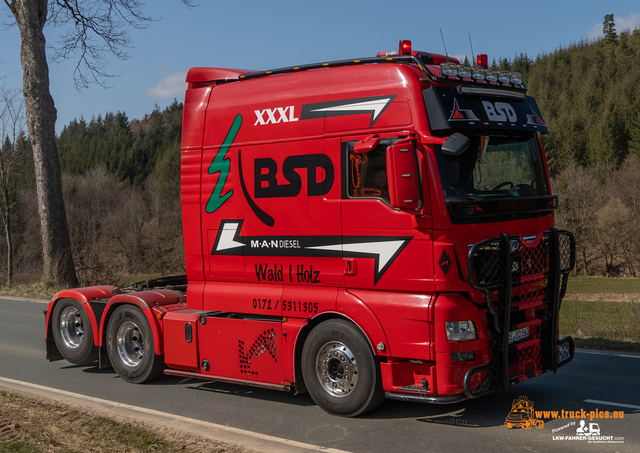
(525, 362)
(515, 275)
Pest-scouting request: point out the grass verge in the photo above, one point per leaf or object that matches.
(33, 425)
(44, 291)
(602, 285)
(30, 291)
(602, 325)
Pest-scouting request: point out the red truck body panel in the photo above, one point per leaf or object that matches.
(285, 227)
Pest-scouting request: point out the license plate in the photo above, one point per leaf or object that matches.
(517, 335)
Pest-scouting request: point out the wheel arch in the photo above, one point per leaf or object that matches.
(144, 300)
(82, 295)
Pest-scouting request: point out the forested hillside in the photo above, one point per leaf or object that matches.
(130, 150)
(121, 183)
(589, 94)
(121, 176)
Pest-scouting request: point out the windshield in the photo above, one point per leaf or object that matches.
(493, 167)
(493, 175)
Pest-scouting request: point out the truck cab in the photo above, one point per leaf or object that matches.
(357, 229)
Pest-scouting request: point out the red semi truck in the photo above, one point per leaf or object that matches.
(358, 229)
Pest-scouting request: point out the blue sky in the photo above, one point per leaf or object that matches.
(262, 35)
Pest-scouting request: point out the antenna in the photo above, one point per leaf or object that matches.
(445, 46)
(473, 57)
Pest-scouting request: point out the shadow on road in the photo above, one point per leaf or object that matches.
(548, 392)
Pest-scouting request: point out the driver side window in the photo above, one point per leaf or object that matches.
(368, 173)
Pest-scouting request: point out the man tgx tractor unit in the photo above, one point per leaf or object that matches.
(357, 229)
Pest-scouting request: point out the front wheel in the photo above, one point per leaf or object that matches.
(340, 371)
(131, 347)
(72, 332)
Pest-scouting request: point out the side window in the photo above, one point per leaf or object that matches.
(368, 173)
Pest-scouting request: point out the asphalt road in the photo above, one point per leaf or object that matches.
(592, 381)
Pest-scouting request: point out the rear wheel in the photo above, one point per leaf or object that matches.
(340, 371)
(130, 345)
(72, 332)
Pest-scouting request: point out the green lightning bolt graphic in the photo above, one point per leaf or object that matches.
(222, 164)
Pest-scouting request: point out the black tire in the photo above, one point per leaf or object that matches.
(72, 332)
(130, 345)
(339, 369)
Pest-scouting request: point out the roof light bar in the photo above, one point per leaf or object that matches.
(487, 91)
(479, 73)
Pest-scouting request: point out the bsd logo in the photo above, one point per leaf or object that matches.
(500, 111)
(275, 116)
(265, 171)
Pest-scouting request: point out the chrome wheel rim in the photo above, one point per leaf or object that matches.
(71, 328)
(130, 344)
(336, 369)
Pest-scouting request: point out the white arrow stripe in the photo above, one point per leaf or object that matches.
(377, 106)
(226, 241)
(385, 250)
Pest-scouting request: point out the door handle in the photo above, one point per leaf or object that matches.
(350, 266)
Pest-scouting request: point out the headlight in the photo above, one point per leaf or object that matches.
(504, 76)
(461, 330)
(464, 71)
(449, 69)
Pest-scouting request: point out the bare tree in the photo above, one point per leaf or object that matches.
(92, 28)
(12, 124)
(581, 195)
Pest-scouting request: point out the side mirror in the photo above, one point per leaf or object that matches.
(366, 144)
(455, 144)
(402, 174)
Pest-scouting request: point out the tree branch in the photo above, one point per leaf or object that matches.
(97, 27)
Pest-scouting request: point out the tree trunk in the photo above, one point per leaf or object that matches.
(31, 16)
(7, 232)
(5, 208)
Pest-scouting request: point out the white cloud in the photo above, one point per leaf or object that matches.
(172, 86)
(595, 32)
(631, 22)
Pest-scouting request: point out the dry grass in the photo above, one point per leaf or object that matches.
(44, 291)
(30, 291)
(603, 297)
(34, 425)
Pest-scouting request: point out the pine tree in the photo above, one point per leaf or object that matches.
(634, 135)
(609, 30)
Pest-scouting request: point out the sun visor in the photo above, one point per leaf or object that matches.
(449, 110)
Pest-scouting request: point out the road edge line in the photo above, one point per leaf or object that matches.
(25, 299)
